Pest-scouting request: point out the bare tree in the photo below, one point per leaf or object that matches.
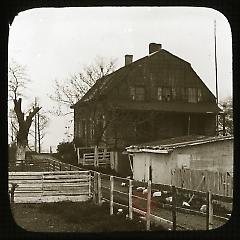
(17, 83)
(226, 119)
(73, 88)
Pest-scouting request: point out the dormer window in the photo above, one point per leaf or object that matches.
(137, 93)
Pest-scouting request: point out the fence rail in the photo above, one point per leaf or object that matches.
(92, 159)
(35, 187)
(117, 191)
(144, 204)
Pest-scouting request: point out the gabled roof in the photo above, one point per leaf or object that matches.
(105, 84)
(168, 145)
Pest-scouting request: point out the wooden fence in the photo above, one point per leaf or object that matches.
(33, 187)
(121, 193)
(99, 159)
(203, 180)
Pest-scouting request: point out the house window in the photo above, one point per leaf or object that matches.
(92, 126)
(159, 94)
(192, 95)
(199, 97)
(83, 132)
(174, 93)
(78, 129)
(184, 95)
(166, 94)
(137, 93)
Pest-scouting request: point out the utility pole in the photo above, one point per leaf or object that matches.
(39, 135)
(35, 127)
(215, 53)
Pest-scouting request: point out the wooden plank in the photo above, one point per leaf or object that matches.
(65, 180)
(149, 194)
(209, 215)
(174, 204)
(111, 194)
(99, 189)
(130, 207)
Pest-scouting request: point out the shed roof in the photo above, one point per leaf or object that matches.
(168, 145)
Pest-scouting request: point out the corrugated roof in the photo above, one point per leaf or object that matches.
(177, 142)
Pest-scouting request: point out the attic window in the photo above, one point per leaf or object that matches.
(137, 93)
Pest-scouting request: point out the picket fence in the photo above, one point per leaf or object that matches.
(203, 180)
(36, 187)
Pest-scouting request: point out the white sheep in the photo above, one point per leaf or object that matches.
(203, 208)
(120, 211)
(123, 184)
(145, 191)
(157, 194)
(169, 199)
(186, 204)
(165, 192)
(140, 188)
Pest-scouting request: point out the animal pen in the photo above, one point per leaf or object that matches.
(170, 207)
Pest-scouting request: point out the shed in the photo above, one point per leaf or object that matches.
(155, 160)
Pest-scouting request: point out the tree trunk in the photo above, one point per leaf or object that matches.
(24, 126)
(20, 154)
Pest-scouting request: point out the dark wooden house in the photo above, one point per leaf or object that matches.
(156, 97)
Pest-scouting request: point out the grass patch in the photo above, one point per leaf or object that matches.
(72, 217)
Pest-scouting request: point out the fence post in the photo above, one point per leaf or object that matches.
(149, 194)
(209, 215)
(99, 188)
(174, 217)
(89, 183)
(78, 156)
(111, 194)
(130, 209)
(95, 187)
(96, 156)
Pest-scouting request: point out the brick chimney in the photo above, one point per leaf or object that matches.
(154, 47)
(128, 59)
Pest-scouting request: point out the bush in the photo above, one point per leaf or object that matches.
(66, 152)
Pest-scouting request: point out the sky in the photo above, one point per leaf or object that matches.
(54, 43)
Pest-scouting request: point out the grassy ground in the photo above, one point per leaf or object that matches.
(71, 217)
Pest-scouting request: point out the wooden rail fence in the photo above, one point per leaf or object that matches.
(68, 182)
(130, 201)
(91, 159)
(33, 187)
